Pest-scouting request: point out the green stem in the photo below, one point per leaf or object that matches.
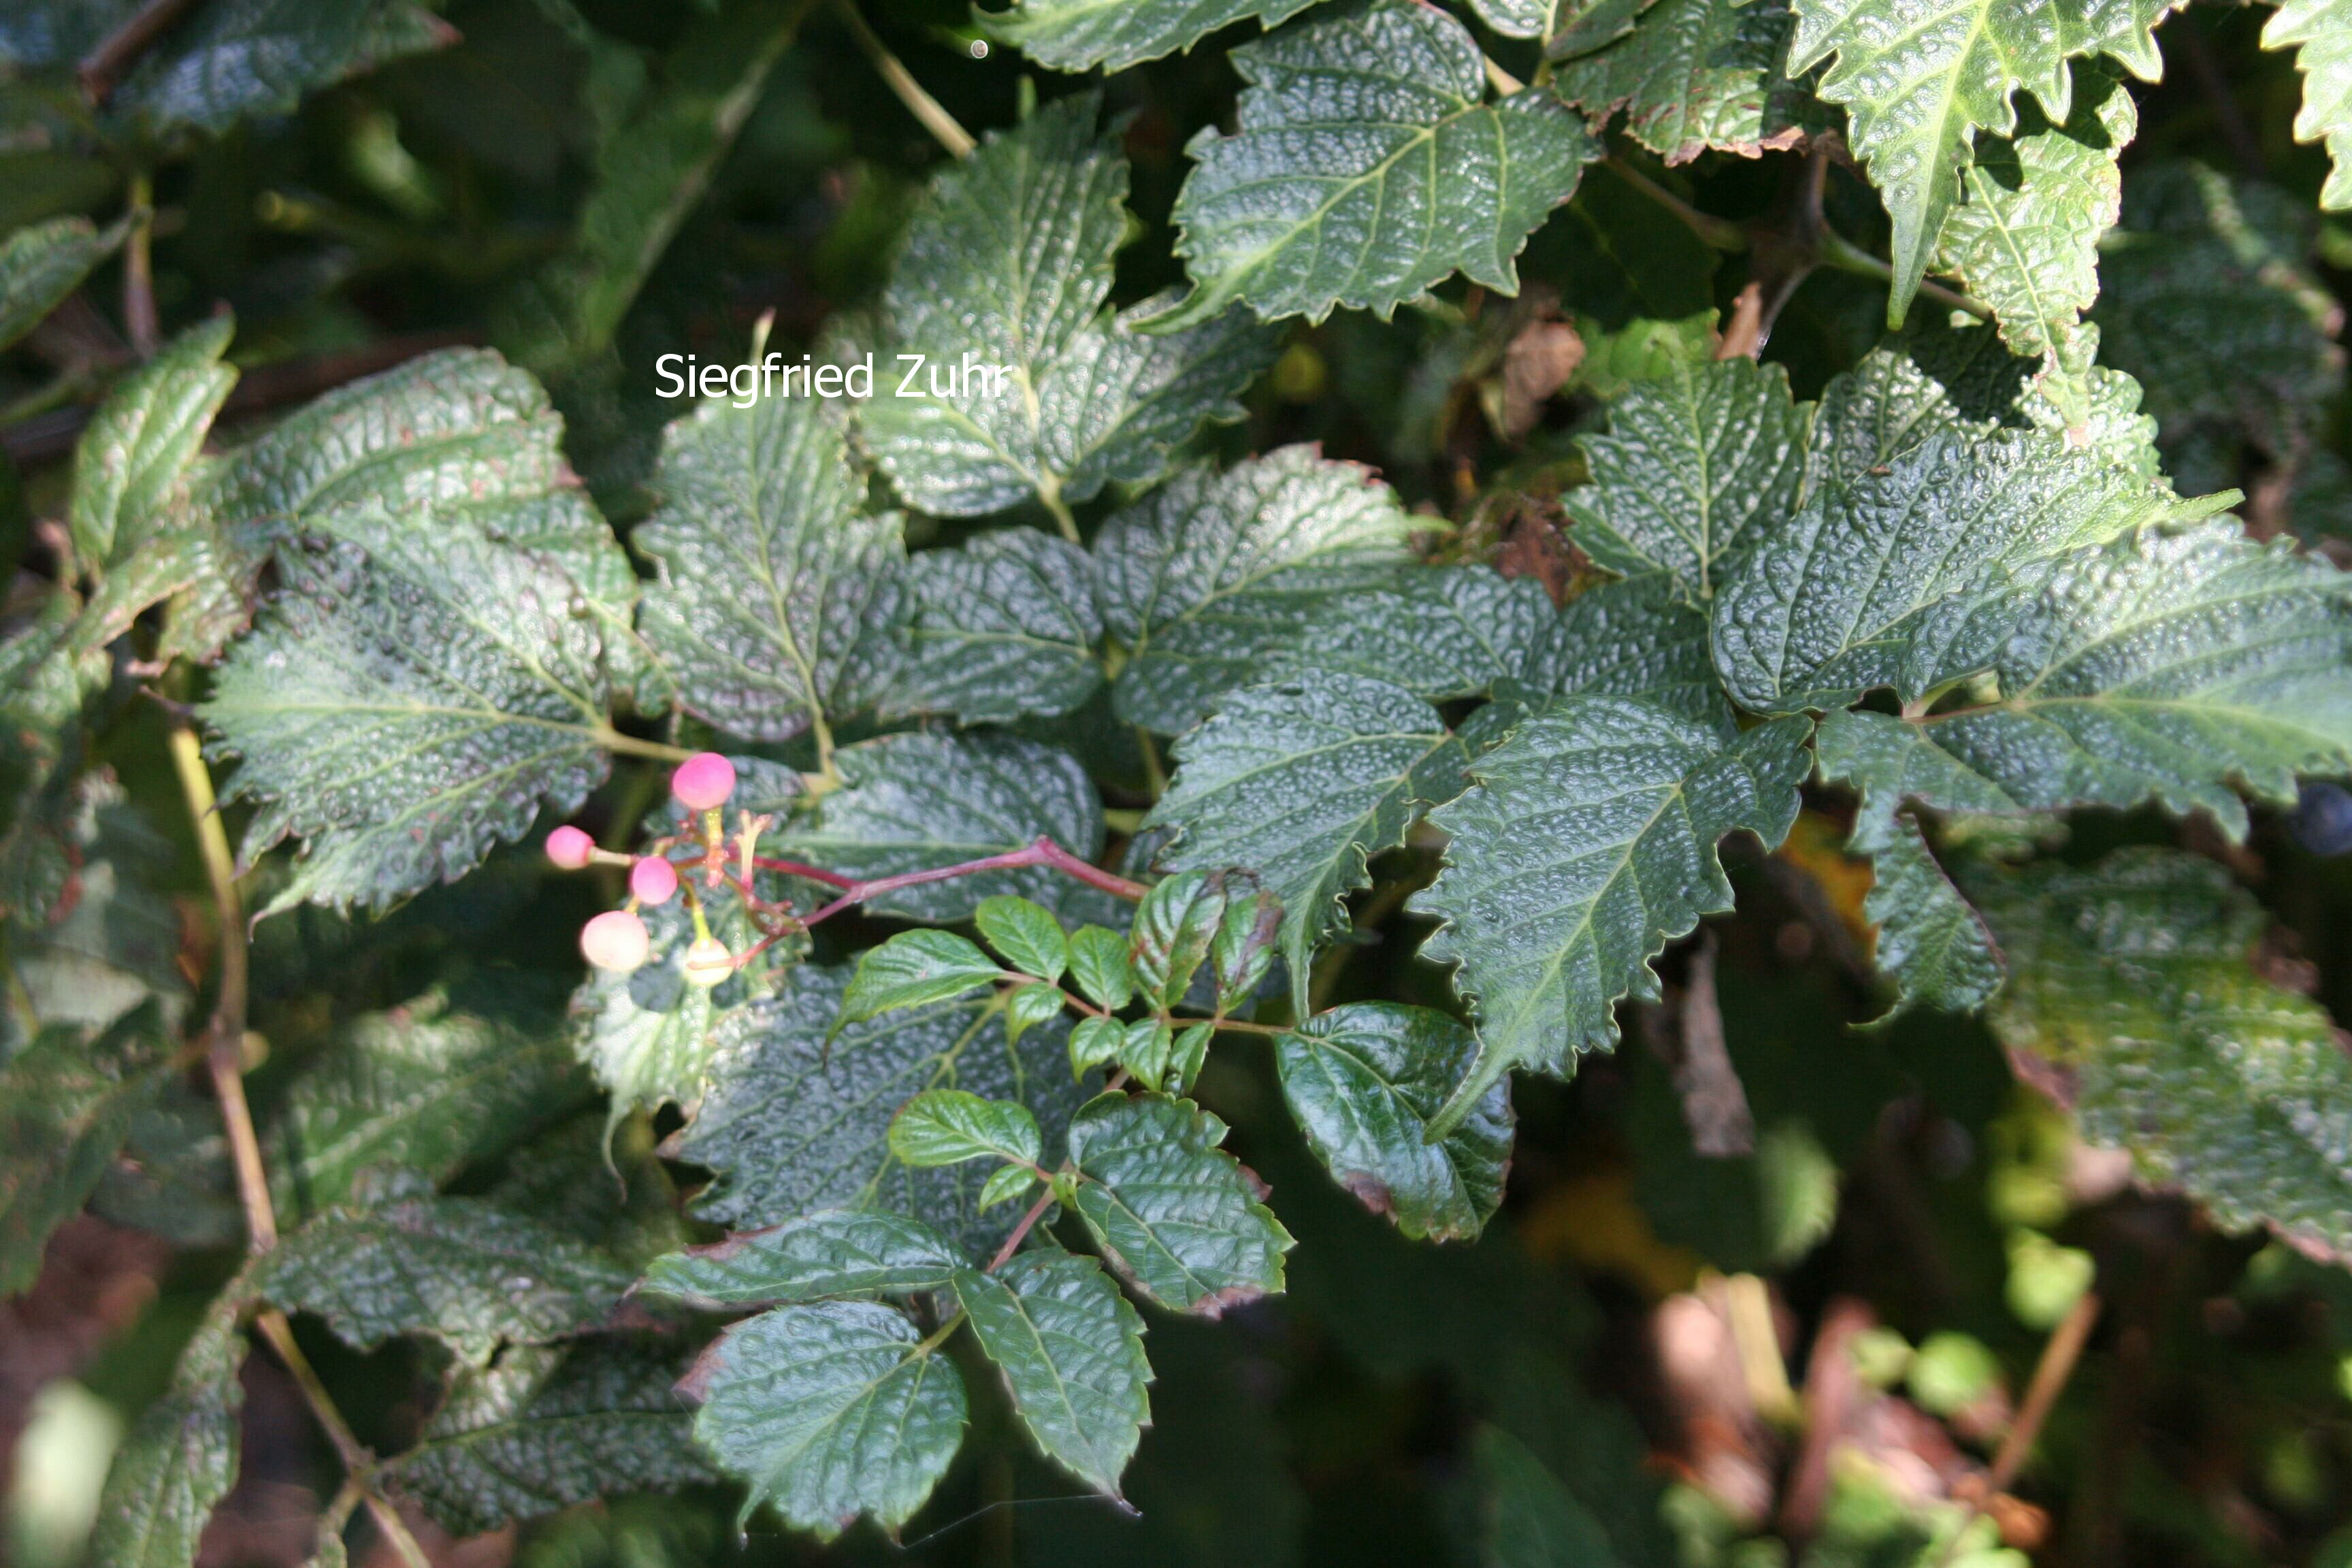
(611, 740)
(1847, 257)
(921, 104)
(1049, 491)
(1718, 233)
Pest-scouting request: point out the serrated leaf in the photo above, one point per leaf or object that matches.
(2321, 33)
(920, 801)
(2132, 987)
(1919, 78)
(2178, 667)
(2026, 239)
(1172, 1213)
(1364, 1080)
(1516, 18)
(1099, 964)
(67, 1103)
(790, 1124)
(1079, 35)
(1094, 1042)
(1900, 574)
(131, 466)
(1144, 1048)
(462, 1270)
(549, 1427)
(1696, 76)
(1638, 638)
(1697, 464)
(428, 1087)
(1367, 166)
(1026, 934)
(830, 1412)
(1586, 844)
(1300, 781)
(1031, 1005)
(833, 1252)
(1448, 631)
(1174, 926)
(947, 1126)
(1004, 627)
(1071, 1349)
(227, 62)
(912, 969)
(41, 264)
(415, 694)
(780, 598)
(1931, 942)
(180, 1456)
(644, 1056)
(1083, 399)
(1205, 580)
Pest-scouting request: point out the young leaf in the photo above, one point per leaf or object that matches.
(922, 800)
(1207, 578)
(1079, 35)
(2131, 984)
(833, 1252)
(130, 467)
(1172, 1213)
(1694, 76)
(1071, 1349)
(946, 1126)
(1082, 400)
(1366, 167)
(1174, 928)
(1004, 626)
(67, 1103)
(1094, 1042)
(791, 1124)
(1448, 632)
(1364, 1081)
(2323, 30)
(42, 263)
(549, 1427)
(829, 1412)
(1099, 964)
(1300, 782)
(1005, 1183)
(1587, 844)
(1919, 78)
(180, 1456)
(1143, 1051)
(780, 598)
(1032, 1005)
(461, 1269)
(1030, 939)
(912, 969)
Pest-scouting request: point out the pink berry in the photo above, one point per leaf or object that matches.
(708, 962)
(703, 781)
(570, 848)
(653, 880)
(616, 940)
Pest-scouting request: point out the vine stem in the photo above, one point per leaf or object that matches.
(921, 104)
(225, 1060)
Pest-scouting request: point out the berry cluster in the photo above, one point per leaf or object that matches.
(617, 938)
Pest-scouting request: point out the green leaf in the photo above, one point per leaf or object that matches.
(1366, 167)
(780, 599)
(1919, 78)
(1174, 928)
(1032, 1005)
(67, 1104)
(180, 1456)
(1931, 942)
(1084, 400)
(1079, 35)
(945, 1126)
(911, 969)
(833, 1252)
(1697, 466)
(1528, 1517)
(227, 62)
(1094, 1042)
(1176, 1216)
(830, 1412)
(1301, 781)
(428, 1087)
(1098, 963)
(2323, 30)
(1004, 627)
(646, 1056)
(2026, 239)
(1516, 18)
(1448, 632)
(549, 1427)
(1695, 76)
(1638, 638)
(462, 1270)
(1206, 579)
(920, 801)
(1071, 1349)
(130, 468)
(791, 1124)
(1364, 1081)
(1144, 1050)
(41, 264)
(2132, 988)
(1027, 935)
(1005, 1183)
(2176, 666)
(1587, 844)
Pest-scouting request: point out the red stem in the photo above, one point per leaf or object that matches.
(1020, 1232)
(796, 869)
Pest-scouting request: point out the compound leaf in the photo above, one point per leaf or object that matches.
(833, 1252)
(1071, 1349)
(913, 968)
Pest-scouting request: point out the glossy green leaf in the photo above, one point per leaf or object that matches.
(912, 969)
(1071, 1349)
(1176, 1216)
(1695, 76)
(1004, 626)
(130, 468)
(945, 1126)
(833, 1252)
(1174, 927)
(1100, 967)
(1079, 35)
(1032, 1005)
(1094, 1042)
(43, 263)
(1026, 934)
(1364, 1081)
(1366, 165)
(830, 1412)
